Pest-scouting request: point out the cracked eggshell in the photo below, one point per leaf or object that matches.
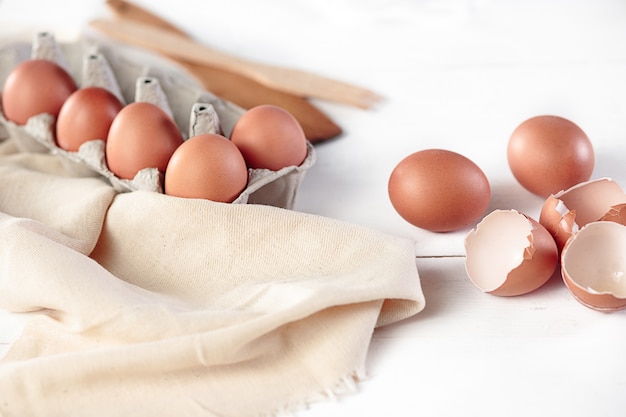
(566, 212)
(616, 214)
(508, 254)
(593, 266)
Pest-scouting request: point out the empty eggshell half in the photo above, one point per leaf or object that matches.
(564, 213)
(593, 266)
(509, 254)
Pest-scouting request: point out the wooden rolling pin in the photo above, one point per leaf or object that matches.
(236, 88)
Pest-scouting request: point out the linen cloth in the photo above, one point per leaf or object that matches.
(148, 305)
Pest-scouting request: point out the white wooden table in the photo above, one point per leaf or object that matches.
(461, 75)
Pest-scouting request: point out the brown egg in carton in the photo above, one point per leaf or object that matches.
(195, 111)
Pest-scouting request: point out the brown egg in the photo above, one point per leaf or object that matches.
(206, 166)
(548, 154)
(269, 137)
(34, 87)
(593, 266)
(86, 115)
(141, 136)
(509, 254)
(439, 190)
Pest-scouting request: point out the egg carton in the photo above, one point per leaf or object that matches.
(194, 109)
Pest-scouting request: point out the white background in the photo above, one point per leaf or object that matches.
(459, 75)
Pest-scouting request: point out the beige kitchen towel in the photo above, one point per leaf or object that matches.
(148, 305)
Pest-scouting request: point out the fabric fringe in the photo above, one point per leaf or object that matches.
(346, 385)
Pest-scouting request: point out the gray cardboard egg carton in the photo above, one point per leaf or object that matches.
(194, 110)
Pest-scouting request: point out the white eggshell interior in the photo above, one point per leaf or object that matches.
(497, 246)
(591, 199)
(596, 258)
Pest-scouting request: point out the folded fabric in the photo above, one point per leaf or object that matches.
(144, 304)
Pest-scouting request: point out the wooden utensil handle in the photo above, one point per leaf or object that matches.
(171, 44)
(127, 10)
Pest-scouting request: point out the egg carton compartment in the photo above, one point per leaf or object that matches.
(193, 109)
